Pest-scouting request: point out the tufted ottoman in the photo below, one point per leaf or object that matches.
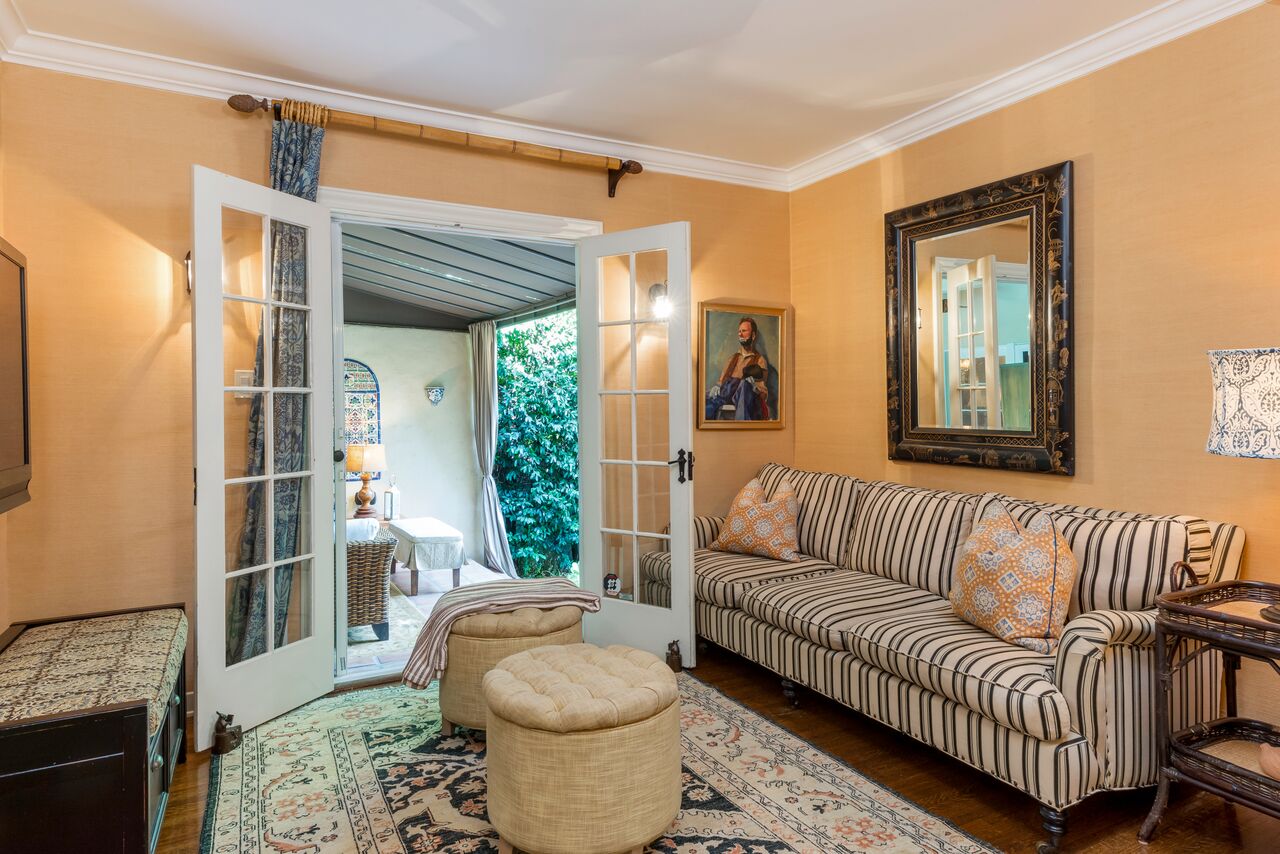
(478, 642)
(583, 749)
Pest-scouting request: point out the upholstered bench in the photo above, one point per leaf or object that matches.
(92, 720)
(479, 641)
(583, 749)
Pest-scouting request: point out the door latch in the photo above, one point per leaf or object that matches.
(682, 459)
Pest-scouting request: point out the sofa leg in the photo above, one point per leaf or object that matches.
(701, 646)
(382, 630)
(1055, 824)
(790, 694)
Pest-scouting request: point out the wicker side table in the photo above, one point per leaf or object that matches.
(1219, 756)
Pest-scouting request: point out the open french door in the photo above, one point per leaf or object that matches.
(263, 367)
(635, 411)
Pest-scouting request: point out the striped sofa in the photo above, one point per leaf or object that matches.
(863, 618)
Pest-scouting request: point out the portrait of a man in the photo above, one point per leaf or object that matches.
(739, 372)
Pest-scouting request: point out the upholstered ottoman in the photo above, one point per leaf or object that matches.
(583, 753)
(478, 642)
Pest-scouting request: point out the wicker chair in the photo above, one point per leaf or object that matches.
(369, 564)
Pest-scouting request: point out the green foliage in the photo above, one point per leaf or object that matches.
(536, 467)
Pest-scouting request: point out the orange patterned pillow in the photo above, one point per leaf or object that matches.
(759, 527)
(1015, 581)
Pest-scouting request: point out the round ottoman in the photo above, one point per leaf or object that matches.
(478, 642)
(583, 749)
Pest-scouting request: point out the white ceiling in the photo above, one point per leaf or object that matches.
(783, 87)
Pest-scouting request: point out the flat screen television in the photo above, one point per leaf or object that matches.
(15, 433)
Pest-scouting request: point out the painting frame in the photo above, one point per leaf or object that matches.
(715, 317)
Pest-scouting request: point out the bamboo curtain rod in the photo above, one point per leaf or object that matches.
(313, 114)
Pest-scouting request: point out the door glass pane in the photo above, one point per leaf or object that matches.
(616, 510)
(242, 267)
(290, 352)
(292, 519)
(289, 280)
(615, 424)
(651, 271)
(293, 602)
(241, 327)
(615, 287)
(291, 424)
(962, 309)
(618, 556)
(652, 427)
(246, 607)
(246, 525)
(651, 355)
(242, 457)
(615, 357)
(654, 586)
(653, 499)
(977, 305)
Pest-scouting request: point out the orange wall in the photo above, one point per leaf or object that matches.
(96, 190)
(1177, 235)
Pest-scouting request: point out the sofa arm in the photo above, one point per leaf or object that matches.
(705, 530)
(1106, 668)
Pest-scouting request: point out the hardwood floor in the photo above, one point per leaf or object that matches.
(982, 806)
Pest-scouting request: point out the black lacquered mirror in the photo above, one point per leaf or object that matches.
(979, 326)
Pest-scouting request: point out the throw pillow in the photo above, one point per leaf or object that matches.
(1015, 580)
(759, 527)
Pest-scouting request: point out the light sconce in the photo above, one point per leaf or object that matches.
(435, 394)
(187, 263)
(659, 300)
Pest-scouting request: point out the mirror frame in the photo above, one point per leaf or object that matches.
(1044, 195)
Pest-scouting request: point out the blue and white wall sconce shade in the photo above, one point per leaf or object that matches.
(1246, 403)
(435, 394)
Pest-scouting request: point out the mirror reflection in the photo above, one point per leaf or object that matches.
(973, 328)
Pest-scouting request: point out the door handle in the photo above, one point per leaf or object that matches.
(339, 455)
(681, 457)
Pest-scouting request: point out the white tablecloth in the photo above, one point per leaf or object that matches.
(428, 543)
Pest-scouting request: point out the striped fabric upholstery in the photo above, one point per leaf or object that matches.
(939, 651)
(824, 608)
(1057, 774)
(722, 578)
(827, 504)
(910, 535)
(1228, 548)
(1123, 558)
(705, 530)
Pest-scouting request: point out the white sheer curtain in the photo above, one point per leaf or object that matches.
(484, 371)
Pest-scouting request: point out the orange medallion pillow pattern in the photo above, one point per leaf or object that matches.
(759, 527)
(1015, 581)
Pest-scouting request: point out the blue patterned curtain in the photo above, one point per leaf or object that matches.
(296, 140)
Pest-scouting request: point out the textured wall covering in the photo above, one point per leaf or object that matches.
(97, 194)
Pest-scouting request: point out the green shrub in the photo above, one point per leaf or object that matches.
(536, 467)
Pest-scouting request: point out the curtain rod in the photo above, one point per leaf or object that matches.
(615, 167)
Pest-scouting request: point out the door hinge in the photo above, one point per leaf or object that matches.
(944, 305)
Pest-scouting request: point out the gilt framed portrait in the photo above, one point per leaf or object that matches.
(742, 353)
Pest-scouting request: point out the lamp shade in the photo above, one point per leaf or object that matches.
(366, 458)
(1246, 403)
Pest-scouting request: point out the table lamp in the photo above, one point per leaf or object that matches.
(364, 460)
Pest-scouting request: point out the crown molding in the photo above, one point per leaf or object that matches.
(1142, 32)
(23, 46)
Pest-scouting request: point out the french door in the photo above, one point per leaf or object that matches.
(635, 410)
(263, 365)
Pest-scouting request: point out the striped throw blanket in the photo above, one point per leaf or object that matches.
(431, 652)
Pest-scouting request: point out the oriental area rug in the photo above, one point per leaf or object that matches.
(368, 771)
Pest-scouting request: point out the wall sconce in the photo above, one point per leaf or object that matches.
(659, 300)
(435, 394)
(187, 262)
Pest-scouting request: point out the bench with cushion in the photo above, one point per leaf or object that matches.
(92, 719)
(864, 619)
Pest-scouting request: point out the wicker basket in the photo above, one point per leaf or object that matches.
(369, 579)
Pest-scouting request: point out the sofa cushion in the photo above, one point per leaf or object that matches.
(1123, 558)
(823, 608)
(722, 578)
(941, 652)
(827, 503)
(910, 534)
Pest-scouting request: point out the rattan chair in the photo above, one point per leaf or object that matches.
(369, 565)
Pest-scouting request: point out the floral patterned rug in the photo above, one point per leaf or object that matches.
(367, 771)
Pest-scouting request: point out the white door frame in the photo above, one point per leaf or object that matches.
(366, 208)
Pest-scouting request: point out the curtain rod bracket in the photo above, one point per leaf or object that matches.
(628, 167)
